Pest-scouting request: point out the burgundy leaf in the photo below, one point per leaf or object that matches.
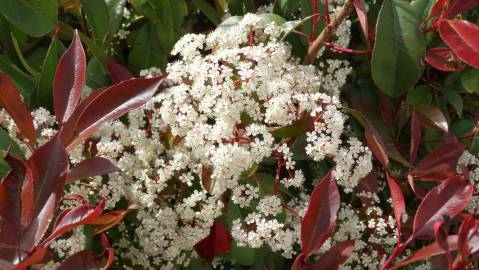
(218, 241)
(71, 218)
(299, 263)
(463, 38)
(363, 18)
(376, 144)
(415, 138)
(11, 102)
(112, 103)
(320, 218)
(15, 210)
(118, 73)
(427, 252)
(35, 257)
(447, 199)
(444, 59)
(91, 167)
(49, 165)
(466, 232)
(334, 257)
(86, 259)
(441, 234)
(398, 201)
(440, 163)
(431, 117)
(69, 80)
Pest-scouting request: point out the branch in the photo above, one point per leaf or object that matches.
(328, 32)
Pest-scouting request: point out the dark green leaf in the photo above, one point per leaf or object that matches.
(23, 81)
(115, 14)
(399, 49)
(42, 96)
(470, 80)
(34, 17)
(6, 142)
(420, 95)
(146, 51)
(96, 77)
(97, 14)
(208, 10)
(455, 100)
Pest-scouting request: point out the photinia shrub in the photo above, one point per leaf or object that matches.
(239, 134)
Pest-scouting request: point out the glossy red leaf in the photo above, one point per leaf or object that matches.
(218, 241)
(11, 102)
(299, 263)
(466, 232)
(460, 6)
(15, 196)
(71, 218)
(49, 165)
(398, 201)
(112, 103)
(447, 199)
(118, 73)
(35, 257)
(440, 163)
(444, 59)
(69, 80)
(91, 167)
(441, 234)
(415, 138)
(334, 257)
(431, 117)
(377, 146)
(320, 218)
(363, 18)
(427, 252)
(463, 38)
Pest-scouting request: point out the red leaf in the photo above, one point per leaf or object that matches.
(11, 102)
(118, 73)
(86, 259)
(69, 80)
(319, 220)
(218, 241)
(431, 117)
(376, 144)
(15, 196)
(427, 252)
(447, 199)
(460, 6)
(49, 165)
(415, 138)
(363, 18)
(398, 201)
(463, 38)
(441, 234)
(71, 218)
(112, 103)
(440, 163)
(35, 257)
(444, 59)
(334, 257)
(91, 167)
(466, 232)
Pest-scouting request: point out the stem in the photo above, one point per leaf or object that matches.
(398, 250)
(328, 32)
(315, 18)
(346, 50)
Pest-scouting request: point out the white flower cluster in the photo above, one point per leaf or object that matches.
(471, 163)
(217, 121)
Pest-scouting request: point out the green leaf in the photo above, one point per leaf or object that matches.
(470, 80)
(34, 17)
(96, 77)
(455, 100)
(97, 14)
(242, 255)
(399, 49)
(6, 142)
(24, 62)
(419, 95)
(23, 81)
(146, 51)
(208, 10)
(42, 96)
(115, 14)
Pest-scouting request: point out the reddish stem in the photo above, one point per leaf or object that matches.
(292, 211)
(315, 19)
(326, 10)
(346, 50)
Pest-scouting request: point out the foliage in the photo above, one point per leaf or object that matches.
(411, 85)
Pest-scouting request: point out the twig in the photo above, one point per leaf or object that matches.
(328, 32)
